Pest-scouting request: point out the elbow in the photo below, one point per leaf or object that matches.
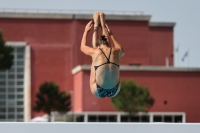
(122, 54)
(82, 49)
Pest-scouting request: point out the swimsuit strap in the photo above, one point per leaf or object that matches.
(108, 58)
(109, 54)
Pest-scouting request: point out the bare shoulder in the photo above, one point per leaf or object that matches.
(96, 51)
(119, 50)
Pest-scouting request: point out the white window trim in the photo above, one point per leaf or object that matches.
(27, 77)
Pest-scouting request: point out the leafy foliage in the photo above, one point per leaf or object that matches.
(50, 99)
(132, 98)
(6, 56)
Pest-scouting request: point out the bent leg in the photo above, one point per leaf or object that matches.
(93, 86)
(92, 74)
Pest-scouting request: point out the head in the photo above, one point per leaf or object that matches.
(102, 41)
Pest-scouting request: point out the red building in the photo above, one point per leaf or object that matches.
(52, 53)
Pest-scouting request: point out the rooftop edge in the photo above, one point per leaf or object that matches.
(81, 16)
(72, 16)
(140, 68)
(162, 24)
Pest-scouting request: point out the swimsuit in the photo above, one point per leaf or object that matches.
(106, 92)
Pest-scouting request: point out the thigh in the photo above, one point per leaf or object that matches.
(93, 86)
(92, 75)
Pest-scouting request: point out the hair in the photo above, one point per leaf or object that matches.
(102, 41)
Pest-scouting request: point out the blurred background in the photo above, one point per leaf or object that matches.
(160, 39)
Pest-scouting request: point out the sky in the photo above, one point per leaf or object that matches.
(185, 13)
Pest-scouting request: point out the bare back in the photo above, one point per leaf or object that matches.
(107, 72)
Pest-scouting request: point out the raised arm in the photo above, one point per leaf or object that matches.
(84, 48)
(96, 29)
(114, 40)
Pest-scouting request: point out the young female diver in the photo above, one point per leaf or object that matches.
(104, 77)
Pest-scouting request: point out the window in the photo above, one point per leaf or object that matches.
(20, 116)
(2, 90)
(20, 103)
(121, 117)
(102, 118)
(20, 110)
(11, 109)
(20, 89)
(20, 96)
(2, 103)
(92, 118)
(2, 83)
(145, 118)
(168, 118)
(11, 88)
(2, 110)
(135, 118)
(157, 118)
(11, 116)
(112, 118)
(2, 77)
(2, 116)
(178, 119)
(80, 118)
(2, 97)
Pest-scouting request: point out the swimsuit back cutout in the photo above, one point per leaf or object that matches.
(108, 60)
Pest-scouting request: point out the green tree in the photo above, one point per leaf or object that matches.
(132, 98)
(49, 99)
(6, 56)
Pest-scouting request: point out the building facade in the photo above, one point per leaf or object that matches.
(47, 48)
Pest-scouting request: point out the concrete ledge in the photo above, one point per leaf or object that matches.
(162, 24)
(76, 127)
(140, 68)
(116, 17)
(16, 44)
(36, 15)
(129, 17)
(71, 16)
(80, 68)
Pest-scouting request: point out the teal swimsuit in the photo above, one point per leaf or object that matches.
(106, 92)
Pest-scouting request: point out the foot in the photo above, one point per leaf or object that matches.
(102, 19)
(96, 19)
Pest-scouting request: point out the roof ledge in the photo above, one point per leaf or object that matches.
(72, 16)
(140, 68)
(162, 24)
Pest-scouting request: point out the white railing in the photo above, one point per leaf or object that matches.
(69, 11)
(72, 116)
(98, 128)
